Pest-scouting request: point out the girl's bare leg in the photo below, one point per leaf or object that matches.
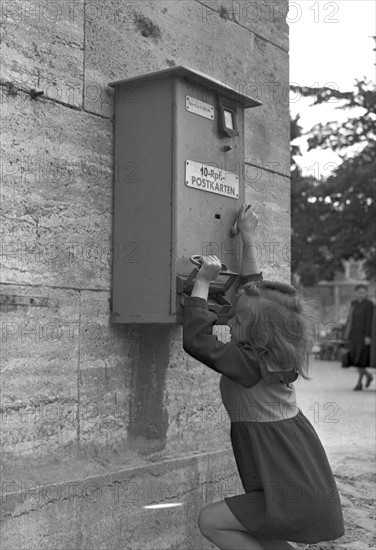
(219, 525)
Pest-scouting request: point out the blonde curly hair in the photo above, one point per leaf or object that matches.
(280, 324)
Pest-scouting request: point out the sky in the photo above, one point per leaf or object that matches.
(331, 45)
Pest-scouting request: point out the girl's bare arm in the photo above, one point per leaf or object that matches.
(247, 223)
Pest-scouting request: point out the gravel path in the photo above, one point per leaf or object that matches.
(345, 421)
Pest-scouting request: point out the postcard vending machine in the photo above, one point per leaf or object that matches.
(179, 158)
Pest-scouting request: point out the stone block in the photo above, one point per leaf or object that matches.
(268, 126)
(197, 417)
(40, 354)
(265, 19)
(43, 47)
(57, 195)
(108, 363)
(108, 512)
(270, 195)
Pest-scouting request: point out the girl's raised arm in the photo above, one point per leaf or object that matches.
(247, 223)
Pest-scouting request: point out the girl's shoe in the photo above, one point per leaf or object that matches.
(369, 380)
(358, 387)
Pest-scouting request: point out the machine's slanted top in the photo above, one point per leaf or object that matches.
(196, 76)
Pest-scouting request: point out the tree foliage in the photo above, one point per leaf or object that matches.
(334, 219)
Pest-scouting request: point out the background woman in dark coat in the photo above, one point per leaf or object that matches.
(358, 332)
(372, 362)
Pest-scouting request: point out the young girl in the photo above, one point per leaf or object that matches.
(290, 492)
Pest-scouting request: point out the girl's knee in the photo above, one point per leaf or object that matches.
(205, 520)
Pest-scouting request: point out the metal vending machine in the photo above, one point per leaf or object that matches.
(179, 163)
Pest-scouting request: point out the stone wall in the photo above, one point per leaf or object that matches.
(100, 420)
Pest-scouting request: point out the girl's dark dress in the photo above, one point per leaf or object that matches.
(290, 492)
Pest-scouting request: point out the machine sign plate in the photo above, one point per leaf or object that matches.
(212, 179)
(194, 105)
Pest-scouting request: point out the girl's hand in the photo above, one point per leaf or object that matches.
(247, 221)
(209, 269)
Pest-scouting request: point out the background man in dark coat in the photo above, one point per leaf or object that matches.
(358, 332)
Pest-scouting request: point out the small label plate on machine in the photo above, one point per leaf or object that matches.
(212, 179)
(198, 107)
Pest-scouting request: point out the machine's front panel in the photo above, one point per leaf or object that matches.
(208, 186)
